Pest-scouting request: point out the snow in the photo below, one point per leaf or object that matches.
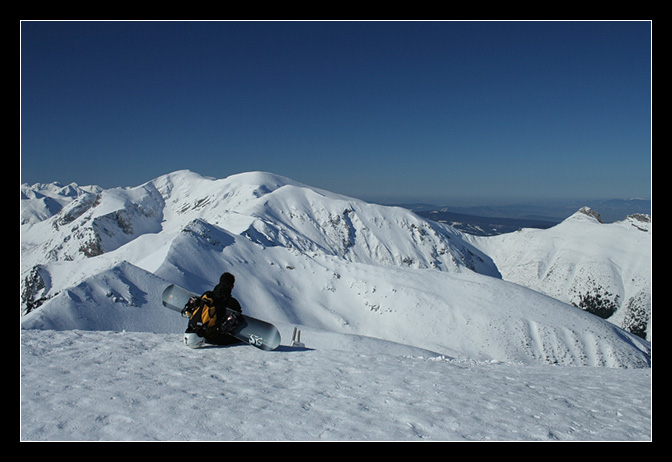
(411, 332)
(579, 256)
(140, 386)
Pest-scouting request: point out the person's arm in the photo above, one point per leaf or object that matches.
(234, 305)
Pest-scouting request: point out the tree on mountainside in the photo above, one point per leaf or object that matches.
(599, 303)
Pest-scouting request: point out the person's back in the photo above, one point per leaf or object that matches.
(222, 311)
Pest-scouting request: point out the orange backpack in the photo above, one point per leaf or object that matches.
(202, 314)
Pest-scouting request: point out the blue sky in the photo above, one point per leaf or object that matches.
(402, 111)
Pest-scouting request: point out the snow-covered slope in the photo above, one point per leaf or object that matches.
(302, 256)
(584, 262)
(141, 386)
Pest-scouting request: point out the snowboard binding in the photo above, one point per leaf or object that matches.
(231, 321)
(190, 307)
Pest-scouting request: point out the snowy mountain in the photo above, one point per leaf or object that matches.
(603, 267)
(302, 256)
(40, 201)
(410, 331)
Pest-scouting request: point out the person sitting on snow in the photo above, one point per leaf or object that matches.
(213, 315)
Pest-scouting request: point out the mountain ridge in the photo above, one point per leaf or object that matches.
(302, 256)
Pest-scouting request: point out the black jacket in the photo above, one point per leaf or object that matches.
(223, 299)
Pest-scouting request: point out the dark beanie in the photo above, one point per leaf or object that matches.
(227, 280)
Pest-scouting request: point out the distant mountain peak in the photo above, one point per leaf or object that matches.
(591, 213)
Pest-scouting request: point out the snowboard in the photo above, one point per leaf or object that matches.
(256, 332)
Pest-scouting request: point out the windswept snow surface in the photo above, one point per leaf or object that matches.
(140, 386)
